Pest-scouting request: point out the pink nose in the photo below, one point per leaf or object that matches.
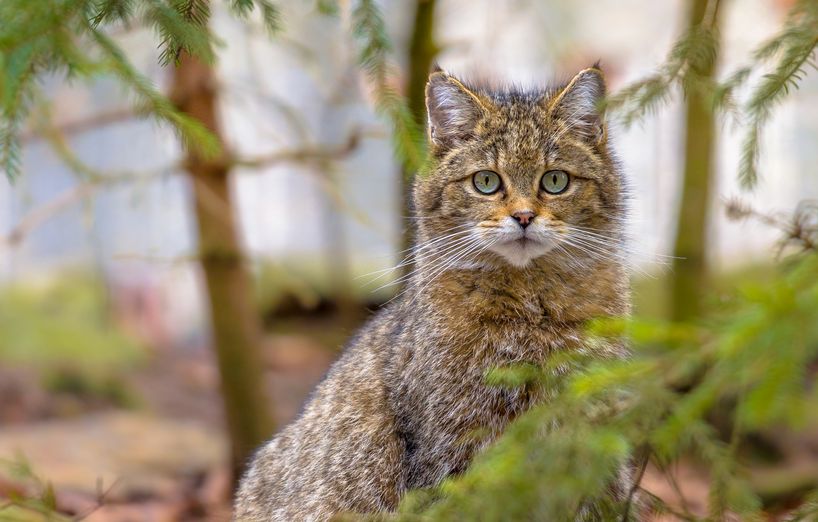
(523, 217)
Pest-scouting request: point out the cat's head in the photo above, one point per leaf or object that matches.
(517, 175)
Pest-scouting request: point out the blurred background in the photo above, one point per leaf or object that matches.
(108, 377)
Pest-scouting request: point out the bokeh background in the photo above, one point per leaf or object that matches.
(106, 367)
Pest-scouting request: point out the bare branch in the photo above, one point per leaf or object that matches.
(81, 125)
(307, 154)
(94, 179)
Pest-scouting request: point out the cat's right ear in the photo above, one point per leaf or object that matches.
(453, 109)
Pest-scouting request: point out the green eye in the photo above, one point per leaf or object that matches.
(554, 181)
(486, 181)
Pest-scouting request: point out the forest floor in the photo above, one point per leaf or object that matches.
(156, 451)
(160, 456)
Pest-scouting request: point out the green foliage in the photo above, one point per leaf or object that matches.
(327, 7)
(73, 38)
(37, 501)
(182, 26)
(70, 37)
(269, 12)
(794, 48)
(692, 53)
(66, 37)
(374, 48)
(151, 102)
(94, 387)
(789, 54)
(59, 323)
(559, 460)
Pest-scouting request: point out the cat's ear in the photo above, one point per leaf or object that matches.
(578, 105)
(453, 109)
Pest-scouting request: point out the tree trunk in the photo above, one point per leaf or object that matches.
(690, 265)
(235, 323)
(422, 50)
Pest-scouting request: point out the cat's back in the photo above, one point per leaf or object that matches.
(314, 467)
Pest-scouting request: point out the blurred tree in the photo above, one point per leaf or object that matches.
(234, 318)
(690, 66)
(422, 52)
(689, 279)
(374, 46)
(47, 37)
(72, 39)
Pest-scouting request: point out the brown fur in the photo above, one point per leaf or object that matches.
(407, 405)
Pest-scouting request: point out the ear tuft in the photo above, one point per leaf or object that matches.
(577, 105)
(453, 109)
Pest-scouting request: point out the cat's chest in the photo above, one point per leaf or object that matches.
(449, 404)
(487, 343)
(452, 370)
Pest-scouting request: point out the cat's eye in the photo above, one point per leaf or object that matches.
(554, 181)
(486, 181)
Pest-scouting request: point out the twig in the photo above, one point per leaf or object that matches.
(46, 212)
(100, 500)
(665, 506)
(82, 125)
(307, 154)
(637, 480)
(674, 484)
(801, 228)
(95, 179)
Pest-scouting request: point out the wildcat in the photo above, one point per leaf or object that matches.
(518, 222)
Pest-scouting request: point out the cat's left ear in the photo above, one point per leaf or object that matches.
(578, 105)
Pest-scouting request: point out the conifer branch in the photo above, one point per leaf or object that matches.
(17, 85)
(270, 15)
(111, 11)
(374, 47)
(692, 52)
(792, 52)
(154, 104)
(798, 49)
(182, 26)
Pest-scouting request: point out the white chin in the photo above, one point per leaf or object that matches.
(520, 253)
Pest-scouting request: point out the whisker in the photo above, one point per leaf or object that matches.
(443, 265)
(619, 244)
(439, 257)
(449, 262)
(414, 251)
(625, 245)
(477, 249)
(613, 256)
(573, 262)
(462, 228)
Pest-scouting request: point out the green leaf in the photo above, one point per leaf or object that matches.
(374, 47)
(182, 27)
(269, 15)
(242, 8)
(107, 11)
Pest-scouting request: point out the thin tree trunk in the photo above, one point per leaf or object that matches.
(235, 323)
(422, 50)
(690, 265)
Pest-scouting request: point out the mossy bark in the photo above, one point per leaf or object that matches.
(422, 51)
(235, 323)
(690, 277)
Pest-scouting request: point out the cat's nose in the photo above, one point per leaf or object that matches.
(523, 217)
